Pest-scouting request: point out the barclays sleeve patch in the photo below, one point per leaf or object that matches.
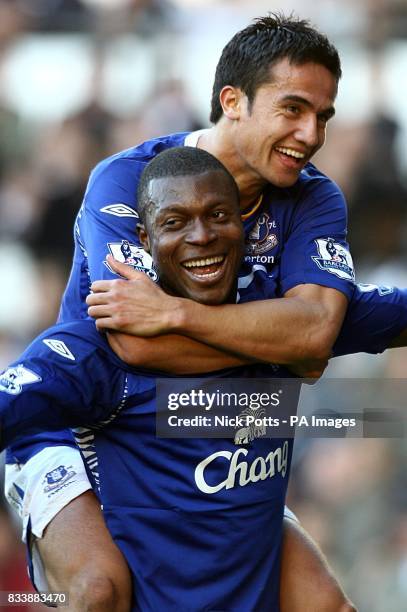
(13, 379)
(133, 256)
(334, 258)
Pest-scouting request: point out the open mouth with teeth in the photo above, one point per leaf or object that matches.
(205, 268)
(290, 156)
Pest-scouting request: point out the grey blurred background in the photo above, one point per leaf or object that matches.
(82, 79)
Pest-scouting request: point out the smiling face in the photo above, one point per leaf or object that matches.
(195, 235)
(276, 135)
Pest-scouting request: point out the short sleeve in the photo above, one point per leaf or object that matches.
(61, 380)
(375, 317)
(107, 222)
(315, 249)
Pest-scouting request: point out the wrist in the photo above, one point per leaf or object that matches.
(180, 315)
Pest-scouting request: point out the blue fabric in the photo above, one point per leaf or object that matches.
(199, 520)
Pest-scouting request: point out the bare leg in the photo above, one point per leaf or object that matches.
(307, 582)
(81, 558)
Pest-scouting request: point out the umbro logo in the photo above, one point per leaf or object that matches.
(59, 347)
(119, 210)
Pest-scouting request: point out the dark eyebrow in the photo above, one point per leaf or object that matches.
(182, 209)
(300, 100)
(173, 208)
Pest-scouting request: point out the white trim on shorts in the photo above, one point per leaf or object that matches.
(43, 486)
(38, 490)
(290, 514)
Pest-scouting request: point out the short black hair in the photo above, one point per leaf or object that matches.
(178, 161)
(247, 58)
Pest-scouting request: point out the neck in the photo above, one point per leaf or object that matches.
(219, 143)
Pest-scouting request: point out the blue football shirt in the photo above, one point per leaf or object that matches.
(199, 520)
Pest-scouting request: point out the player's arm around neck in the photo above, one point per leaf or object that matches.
(138, 313)
(301, 326)
(172, 353)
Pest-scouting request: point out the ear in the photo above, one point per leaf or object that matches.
(143, 237)
(230, 99)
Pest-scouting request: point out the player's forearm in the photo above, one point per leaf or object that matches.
(313, 368)
(172, 353)
(303, 325)
(285, 331)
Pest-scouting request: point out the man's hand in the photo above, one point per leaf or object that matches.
(134, 306)
(114, 307)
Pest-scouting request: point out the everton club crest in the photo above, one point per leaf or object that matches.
(262, 237)
(57, 477)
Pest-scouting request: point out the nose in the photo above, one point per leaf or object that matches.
(201, 233)
(308, 131)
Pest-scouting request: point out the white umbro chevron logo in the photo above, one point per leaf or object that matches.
(119, 210)
(59, 347)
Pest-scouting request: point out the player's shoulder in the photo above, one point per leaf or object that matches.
(313, 189)
(311, 174)
(315, 193)
(71, 342)
(134, 159)
(112, 186)
(71, 348)
(313, 196)
(312, 180)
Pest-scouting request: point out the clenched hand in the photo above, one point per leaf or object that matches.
(134, 306)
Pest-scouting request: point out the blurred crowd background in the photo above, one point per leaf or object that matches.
(82, 79)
